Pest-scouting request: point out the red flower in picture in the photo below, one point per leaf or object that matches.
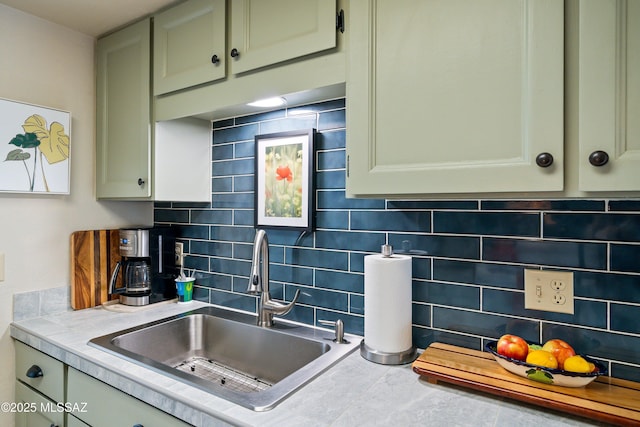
(283, 172)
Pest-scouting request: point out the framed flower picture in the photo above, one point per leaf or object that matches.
(34, 149)
(284, 180)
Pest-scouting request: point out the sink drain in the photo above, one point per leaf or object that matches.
(222, 375)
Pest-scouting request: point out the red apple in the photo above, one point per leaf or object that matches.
(513, 346)
(560, 349)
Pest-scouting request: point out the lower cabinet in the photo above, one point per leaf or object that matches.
(40, 397)
(74, 422)
(107, 406)
(39, 388)
(33, 409)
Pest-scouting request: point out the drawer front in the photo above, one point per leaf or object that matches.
(101, 399)
(37, 411)
(51, 382)
(74, 422)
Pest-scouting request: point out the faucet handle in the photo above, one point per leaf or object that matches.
(338, 327)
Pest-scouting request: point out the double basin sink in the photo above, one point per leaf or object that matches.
(223, 352)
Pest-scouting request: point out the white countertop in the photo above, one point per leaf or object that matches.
(354, 392)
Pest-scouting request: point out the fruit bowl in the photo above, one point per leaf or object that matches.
(546, 375)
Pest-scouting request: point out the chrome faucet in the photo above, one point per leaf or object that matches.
(259, 283)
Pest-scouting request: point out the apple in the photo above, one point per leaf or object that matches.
(513, 346)
(560, 349)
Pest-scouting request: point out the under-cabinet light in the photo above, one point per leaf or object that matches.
(276, 101)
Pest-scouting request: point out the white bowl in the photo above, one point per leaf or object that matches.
(546, 375)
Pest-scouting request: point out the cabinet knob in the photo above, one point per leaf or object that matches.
(140, 182)
(215, 60)
(34, 372)
(234, 53)
(599, 158)
(544, 160)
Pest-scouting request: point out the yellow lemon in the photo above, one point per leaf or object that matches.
(542, 358)
(577, 364)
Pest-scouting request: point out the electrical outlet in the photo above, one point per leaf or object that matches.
(558, 285)
(548, 291)
(179, 253)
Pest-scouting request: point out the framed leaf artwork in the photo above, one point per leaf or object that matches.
(284, 180)
(34, 149)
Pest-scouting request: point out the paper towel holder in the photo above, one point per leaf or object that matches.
(381, 357)
(376, 356)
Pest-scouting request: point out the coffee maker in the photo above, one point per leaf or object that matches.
(147, 266)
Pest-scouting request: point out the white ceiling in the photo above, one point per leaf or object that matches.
(92, 17)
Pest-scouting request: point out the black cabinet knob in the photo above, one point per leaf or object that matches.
(34, 372)
(215, 60)
(599, 158)
(140, 182)
(234, 53)
(544, 160)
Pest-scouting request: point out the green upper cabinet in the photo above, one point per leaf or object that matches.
(189, 45)
(266, 32)
(609, 95)
(200, 41)
(123, 140)
(135, 157)
(453, 96)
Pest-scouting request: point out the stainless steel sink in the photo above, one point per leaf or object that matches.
(225, 353)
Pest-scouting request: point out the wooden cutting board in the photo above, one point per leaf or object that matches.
(607, 399)
(94, 254)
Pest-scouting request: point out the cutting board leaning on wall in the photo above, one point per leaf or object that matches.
(94, 254)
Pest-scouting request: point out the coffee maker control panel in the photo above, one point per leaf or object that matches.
(134, 243)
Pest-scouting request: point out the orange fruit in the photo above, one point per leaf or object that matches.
(578, 364)
(542, 358)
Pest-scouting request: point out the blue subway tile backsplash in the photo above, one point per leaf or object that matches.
(469, 256)
(487, 223)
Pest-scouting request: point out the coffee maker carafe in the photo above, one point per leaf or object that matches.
(136, 267)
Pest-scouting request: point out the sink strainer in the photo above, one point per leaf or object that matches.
(222, 375)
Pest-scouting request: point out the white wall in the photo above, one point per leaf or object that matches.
(46, 64)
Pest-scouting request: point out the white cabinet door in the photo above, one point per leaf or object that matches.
(609, 100)
(265, 32)
(189, 45)
(182, 160)
(453, 96)
(123, 140)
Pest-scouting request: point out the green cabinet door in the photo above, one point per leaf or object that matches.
(609, 100)
(36, 409)
(107, 406)
(123, 140)
(266, 32)
(189, 45)
(454, 96)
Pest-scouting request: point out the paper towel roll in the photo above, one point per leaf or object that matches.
(387, 303)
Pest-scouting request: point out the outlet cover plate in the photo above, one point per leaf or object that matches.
(548, 291)
(179, 256)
